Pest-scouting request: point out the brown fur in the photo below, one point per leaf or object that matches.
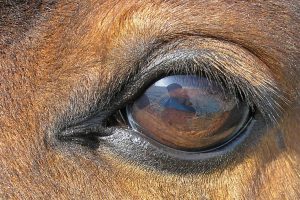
(60, 59)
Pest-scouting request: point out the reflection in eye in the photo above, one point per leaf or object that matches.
(188, 112)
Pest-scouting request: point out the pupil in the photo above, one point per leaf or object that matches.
(187, 112)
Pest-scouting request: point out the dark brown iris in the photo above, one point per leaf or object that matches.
(187, 112)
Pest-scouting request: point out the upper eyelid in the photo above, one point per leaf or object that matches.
(233, 58)
(239, 67)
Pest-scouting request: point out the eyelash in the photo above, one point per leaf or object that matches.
(265, 98)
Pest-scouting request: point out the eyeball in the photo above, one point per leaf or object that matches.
(189, 113)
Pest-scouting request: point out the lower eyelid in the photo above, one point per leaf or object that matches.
(149, 153)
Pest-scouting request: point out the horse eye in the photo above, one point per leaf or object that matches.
(189, 113)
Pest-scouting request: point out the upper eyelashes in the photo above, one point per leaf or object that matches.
(234, 68)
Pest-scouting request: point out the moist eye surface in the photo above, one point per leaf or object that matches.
(188, 112)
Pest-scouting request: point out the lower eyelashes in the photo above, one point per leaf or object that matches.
(188, 112)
